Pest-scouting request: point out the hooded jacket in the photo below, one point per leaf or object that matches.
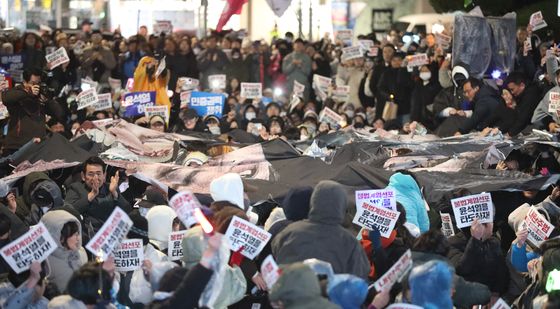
(298, 288)
(160, 225)
(26, 209)
(541, 116)
(322, 235)
(409, 195)
(63, 262)
(144, 82)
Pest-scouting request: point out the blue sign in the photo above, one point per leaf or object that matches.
(206, 103)
(12, 62)
(135, 102)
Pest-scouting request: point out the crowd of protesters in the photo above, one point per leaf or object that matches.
(476, 266)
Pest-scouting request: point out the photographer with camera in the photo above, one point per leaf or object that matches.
(27, 105)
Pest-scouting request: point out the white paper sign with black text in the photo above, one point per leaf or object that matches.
(467, 209)
(86, 98)
(129, 255)
(57, 58)
(111, 234)
(374, 217)
(174, 247)
(395, 273)
(384, 198)
(251, 90)
(246, 235)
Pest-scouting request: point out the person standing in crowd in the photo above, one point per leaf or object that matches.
(97, 61)
(423, 94)
(85, 34)
(186, 63)
(131, 59)
(145, 79)
(211, 61)
(33, 56)
(396, 81)
(297, 67)
(92, 197)
(387, 54)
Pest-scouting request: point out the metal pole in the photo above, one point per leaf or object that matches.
(205, 3)
(299, 17)
(310, 20)
(58, 13)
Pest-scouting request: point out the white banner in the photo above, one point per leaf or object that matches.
(35, 245)
(103, 102)
(537, 226)
(251, 90)
(352, 52)
(365, 45)
(110, 235)
(341, 93)
(395, 273)
(537, 21)
(373, 217)
(331, 117)
(86, 98)
(345, 36)
(384, 198)
(417, 60)
(467, 209)
(129, 255)
(321, 85)
(57, 58)
(174, 247)
(242, 233)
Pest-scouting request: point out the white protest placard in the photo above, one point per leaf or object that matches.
(102, 122)
(270, 271)
(537, 226)
(50, 49)
(500, 304)
(384, 198)
(3, 111)
(184, 203)
(251, 90)
(35, 245)
(174, 247)
(103, 102)
(345, 36)
(246, 235)
(189, 83)
(161, 67)
(395, 273)
(86, 98)
(341, 93)
(417, 60)
(163, 26)
(352, 52)
(403, 306)
(87, 83)
(373, 51)
(217, 82)
(115, 83)
(185, 97)
(57, 58)
(443, 40)
(537, 21)
(321, 85)
(365, 45)
(467, 209)
(157, 110)
(375, 217)
(527, 46)
(446, 225)
(110, 234)
(554, 102)
(299, 89)
(331, 117)
(129, 255)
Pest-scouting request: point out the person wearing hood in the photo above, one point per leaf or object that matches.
(431, 285)
(229, 187)
(322, 236)
(145, 79)
(542, 118)
(66, 231)
(409, 195)
(93, 198)
(160, 225)
(298, 288)
(486, 103)
(347, 291)
(40, 194)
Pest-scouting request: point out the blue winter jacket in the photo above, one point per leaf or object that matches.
(409, 195)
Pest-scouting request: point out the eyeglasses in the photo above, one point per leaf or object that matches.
(94, 174)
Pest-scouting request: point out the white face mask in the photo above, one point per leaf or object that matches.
(425, 75)
(250, 116)
(214, 130)
(349, 113)
(73, 131)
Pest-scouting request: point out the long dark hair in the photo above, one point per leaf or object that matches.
(70, 228)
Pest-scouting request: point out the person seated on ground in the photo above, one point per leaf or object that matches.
(485, 101)
(40, 194)
(410, 196)
(322, 235)
(24, 290)
(544, 119)
(527, 97)
(92, 197)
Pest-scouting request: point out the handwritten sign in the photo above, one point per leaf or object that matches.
(174, 247)
(57, 58)
(554, 102)
(87, 98)
(35, 245)
(251, 90)
(385, 198)
(103, 102)
(446, 225)
(537, 21)
(246, 235)
(469, 208)
(111, 233)
(331, 117)
(417, 60)
(129, 255)
(184, 203)
(395, 273)
(537, 226)
(270, 271)
(217, 82)
(352, 52)
(375, 217)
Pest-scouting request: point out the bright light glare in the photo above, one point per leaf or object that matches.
(277, 92)
(437, 28)
(496, 74)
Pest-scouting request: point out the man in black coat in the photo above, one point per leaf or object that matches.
(485, 101)
(527, 96)
(378, 70)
